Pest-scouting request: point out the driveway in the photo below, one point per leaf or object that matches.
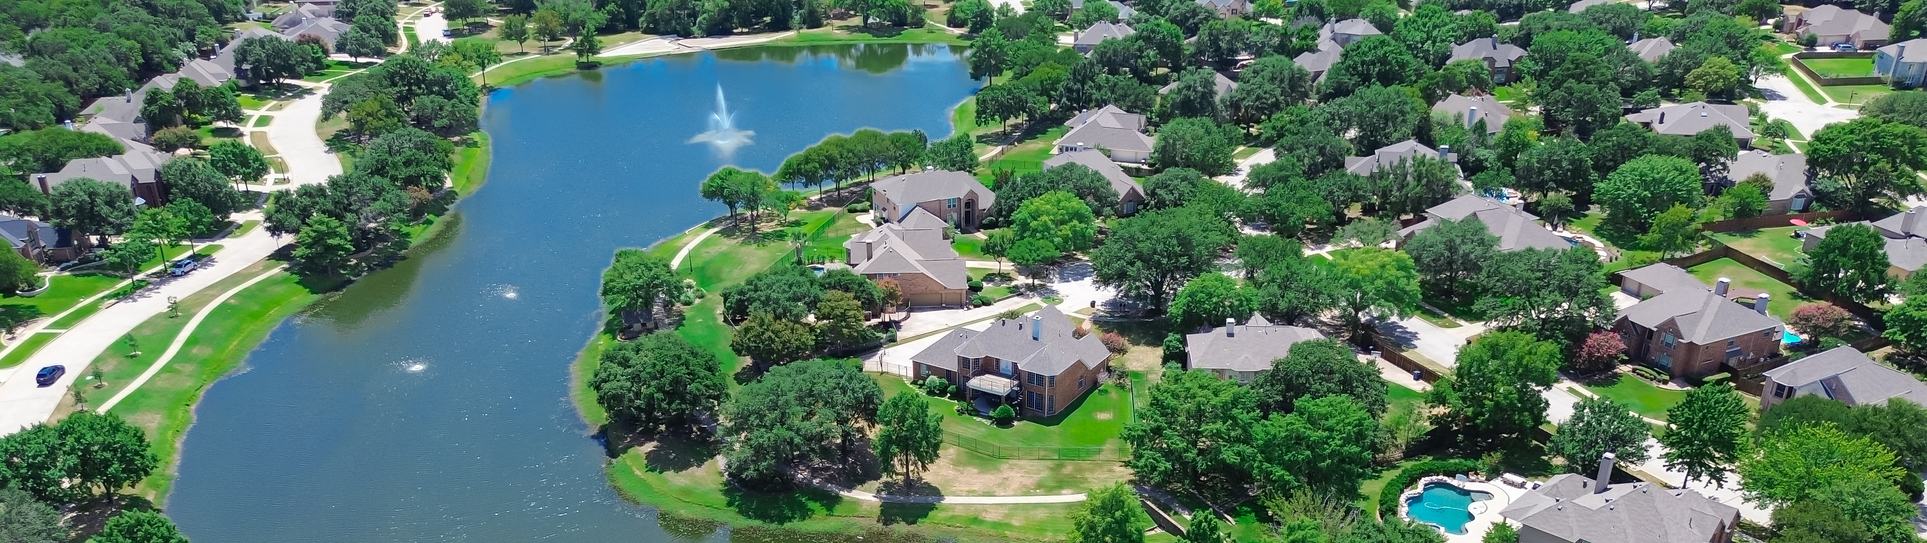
(1728, 494)
(1236, 179)
(430, 28)
(1784, 101)
(292, 134)
(1439, 344)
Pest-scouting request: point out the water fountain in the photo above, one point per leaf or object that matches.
(722, 134)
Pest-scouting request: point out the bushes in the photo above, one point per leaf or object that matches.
(1003, 414)
(936, 386)
(1388, 498)
(976, 286)
(1114, 342)
(1650, 374)
(857, 207)
(981, 300)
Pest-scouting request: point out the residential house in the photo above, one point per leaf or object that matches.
(1844, 374)
(328, 29)
(1902, 64)
(956, 198)
(1227, 9)
(1572, 508)
(1790, 193)
(1651, 49)
(1693, 331)
(1581, 5)
(41, 242)
(138, 169)
(1035, 363)
(1129, 195)
(1395, 153)
(1695, 117)
(1831, 24)
(1344, 33)
(1119, 134)
(1472, 109)
(1516, 229)
(1656, 279)
(1124, 12)
(301, 14)
(1906, 234)
(1318, 62)
(1498, 56)
(1241, 352)
(1087, 40)
(915, 254)
(1224, 85)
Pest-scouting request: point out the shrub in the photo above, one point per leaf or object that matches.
(180, 137)
(936, 386)
(1650, 374)
(857, 207)
(1114, 342)
(976, 286)
(1388, 498)
(1602, 351)
(1715, 378)
(1003, 414)
(981, 300)
(1821, 320)
(1173, 347)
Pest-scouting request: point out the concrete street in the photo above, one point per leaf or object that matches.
(1784, 101)
(430, 28)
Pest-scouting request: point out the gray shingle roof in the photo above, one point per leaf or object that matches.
(1110, 128)
(1103, 30)
(1788, 172)
(1664, 277)
(20, 232)
(326, 28)
(1833, 20)
(1651, 49)
(1906, 243)
(1914, 50)
(1489, 109)
(1501, 54)
(1354, 27)
(1252, 347)
(1845, 374)
(1703, 317)
(1515, 228)
(1389, 155)
(1318, 62)
(1054, 351)
(1223, 84)
(910, 189)
(1096, 161)
(893, 248)
(1581, 5)
(1695, 117)
(1566, 508)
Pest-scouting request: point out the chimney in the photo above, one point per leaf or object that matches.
(1702, 113)
(42, 178)
(1759, 304)
(1471, 116)
(1635, 36)
(1720, 287)
(1662, 118)
(1900, 52)
(1230, 327)
(1444, 151)
(1605, 473)
(1910, 223)
(1036, 327)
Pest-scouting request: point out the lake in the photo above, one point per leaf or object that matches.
(430, 402)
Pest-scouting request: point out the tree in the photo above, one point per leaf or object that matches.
(586, 46)
(1796, 462)
(1643, 188)
(194, 179)
(1550, 293)
(1316, 369)
(1866, 157)
(1495, 394)
(323, 246)
(168, 140)
(809, 411)
(1059, 218)
(33, 101)
(769, 340)
(635, 281)
(92, 206)
(17, 273)
(1197, 143)
(1194, 95)
(1193, 432)
(841, 322)
(1599, 426)
(1452, 252)
(1205, 527)
(1716, 77)
(1822, 320)
(1850, 262)
(1376, 116)
(1898, 107)
(99, 454)
(1430, 33)
(1374, 283)
(657, 380)
(546, 24)
(1028, 254)
(989, 55)
(1674, 232)
(515, 28)
(237, 160)
(1208, 300)
(1743, 201)
(1372, 61)
(909, 435)
(463, 10)
(1110, 515)
(735, 188)
(1150, 254)
(1602, 351)
(19, 198)
(26, 520)
(1266, 87)
(1325, 445)
(1004, 102)
(1366, 232)
(953, 153)
(358, 43)
(1501, 533)
(1555, 208)
(1557, 164)
(139, 527)
(1705, 432)
(50, 150)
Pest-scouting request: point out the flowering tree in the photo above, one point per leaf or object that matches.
(1818, 320)
(1600, 352)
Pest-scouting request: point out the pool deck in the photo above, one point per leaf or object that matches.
(1484, 513)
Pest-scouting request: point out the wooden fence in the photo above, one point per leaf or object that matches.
(1721, 250)
(1798, 64)
(1391, 352)
(1756, 223)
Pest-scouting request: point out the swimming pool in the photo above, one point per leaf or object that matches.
(1789, 338)
(1444, 505)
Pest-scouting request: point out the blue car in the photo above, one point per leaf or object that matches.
(47, 375)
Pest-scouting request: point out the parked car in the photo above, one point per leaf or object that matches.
(185, 264)
(1845, 47)
(446, 33)
(49, 374)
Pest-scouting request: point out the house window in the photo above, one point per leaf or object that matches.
(1729, 342)
(951, 203)
(1771, 333)
(1080, 383)
(1033, 399)
(1667, 339)
(1053, 380)
(1037, 379)
(1779, 390)
(923, 370)
(1053, 403)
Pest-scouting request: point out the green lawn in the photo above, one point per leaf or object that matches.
(1855, 94)
(848, 33)
(1508, 93)
(1806, 88)
(1637, 394)
(971, 247)
(1785, 48)
(1840, 67)
(1087, 427)
(211, 134)
(260, 142)
(246, 226)
(27, 347)
(64, 292)
(1245, 152)
(263, 120)
(471, 164)
(1784, 297)
(1774, 245)
(995, 292)
(1029, 155)
(249, 101)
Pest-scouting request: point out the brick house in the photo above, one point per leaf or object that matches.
(1830, 24)
(1843, 374)
(1129, 196)
(915, 255)
(1033, 363)
(955, 197)
(1499, 57)
(1690, 331)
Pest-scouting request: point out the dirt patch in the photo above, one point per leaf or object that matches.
(170, 381)
(1103, 415)
(963, 473)
(147, 421)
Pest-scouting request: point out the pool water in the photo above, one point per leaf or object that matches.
(1445, 506)
(1789, 338)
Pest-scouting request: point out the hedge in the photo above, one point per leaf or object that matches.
(1388, 497)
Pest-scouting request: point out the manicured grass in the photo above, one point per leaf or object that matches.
(211, 134)
(263, 120)
(471, 164)
(1460, 308)
(995, 292)
(27, 347)
(1785, 48)
(1800, 81)
(1087, 427)
(828, 243)
(1855, 94)
(1773, 245)
(1508, 93)
(1840, 67)
(249, 101)
(1638, 395)
(163, 406)
(849, 33)
(260, 142)
(970, 247)
(1784, 297)
(1245, 152)
(63, 293)
(1029, 155)
(246, 226)
(510, 75)
(963, 120)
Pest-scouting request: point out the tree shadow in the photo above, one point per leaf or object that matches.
(88, 518)
(679, 453)
(14, 315)
(780, 507)
(904, 513)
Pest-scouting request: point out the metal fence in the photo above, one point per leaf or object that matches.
(1014, 452)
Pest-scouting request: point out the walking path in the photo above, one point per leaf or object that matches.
(955, 500)
(181, 339)
(684, 253)
(671, 44)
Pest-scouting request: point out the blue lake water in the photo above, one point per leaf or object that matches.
(331, 435)
(1445, 506)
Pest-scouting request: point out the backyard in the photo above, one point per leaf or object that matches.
(1840, 67)
(1775, 246)
(1076, 450)
(1785, 298)
(1854, 95)
(1637, 394)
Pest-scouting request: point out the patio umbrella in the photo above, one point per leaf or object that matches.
(1798, 222)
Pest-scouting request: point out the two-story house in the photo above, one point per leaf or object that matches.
(1242, 352)
(955, 197)
(1117, 133)
(1035, 363)
(1906, 235)
(1843, 374)
(1690, 331)
(914, 254)
(1499, 57)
